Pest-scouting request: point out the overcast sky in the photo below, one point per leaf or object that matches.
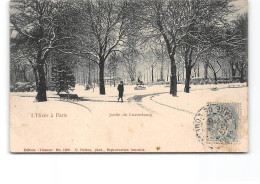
(242, 5)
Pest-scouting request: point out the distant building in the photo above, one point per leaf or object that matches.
(112, 80)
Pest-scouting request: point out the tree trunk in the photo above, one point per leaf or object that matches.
(35, 76)
(110, 78)
(233, 70)
(152, 75)
(102, 90)
(215, 77)
(89, 80)
(198, 70)
(188, 67)
(167, 75)
(206, 70)
(41, 95)
(114, 78)
(24, 74)
(161, 72)
(241, 78)
(173, 77)
(187, 80)
(41, 90)
(97, 74)
(84, 77)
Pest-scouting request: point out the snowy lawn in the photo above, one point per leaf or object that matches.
(199, 97)
(129, 91)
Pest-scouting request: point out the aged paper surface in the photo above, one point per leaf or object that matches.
(128, 76)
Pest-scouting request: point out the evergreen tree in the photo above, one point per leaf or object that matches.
(62, 76)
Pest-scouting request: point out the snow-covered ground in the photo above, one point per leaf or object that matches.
(112, 93)
(153, 118)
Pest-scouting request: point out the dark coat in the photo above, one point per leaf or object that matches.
(120, 89)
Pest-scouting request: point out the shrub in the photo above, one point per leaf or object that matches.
(23, 87)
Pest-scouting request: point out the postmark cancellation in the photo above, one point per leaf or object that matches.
(218, 123)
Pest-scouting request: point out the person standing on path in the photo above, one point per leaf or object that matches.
(120, 89)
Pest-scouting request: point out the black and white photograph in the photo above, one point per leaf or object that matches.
(129, 91)
(131, 75)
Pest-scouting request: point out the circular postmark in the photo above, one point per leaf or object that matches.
(217, 123)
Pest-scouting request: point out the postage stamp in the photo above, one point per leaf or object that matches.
(218, 123)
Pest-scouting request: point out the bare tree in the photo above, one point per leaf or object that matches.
(40, 24)
(175, 20)
(205, 32)
(167, 17)
(214, 65)
(158, 49)
(23, 60)
(105, 24)
(129, 56)
(237, 47)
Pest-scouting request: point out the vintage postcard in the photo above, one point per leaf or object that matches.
(131, 76)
